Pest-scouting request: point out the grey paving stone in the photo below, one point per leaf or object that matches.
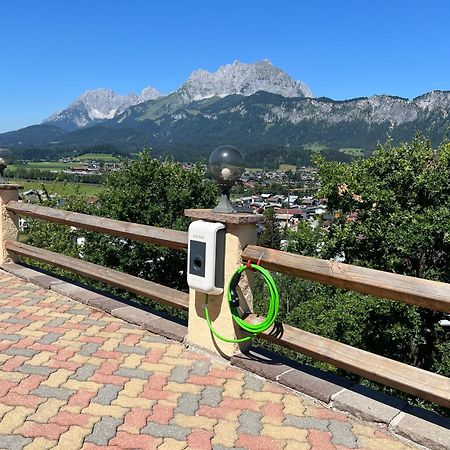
(57, 321)
(106, 394)
(102, 302)
(155, 338)
(39, 370)
(16, 320)
(134, 315)
(33, 301)
(10, 337)
(166, 431)
(367, 404)
(74, 292)
(13, 441)
(49, 338)
(179, 374)
(84, 372)
(212, 396)
(260, 364)
(5, 309)
(131, 349)
(89, 348)
(250, 423)
(94, 322)
(52, 392)
(168, 328)
(104, 431)
(425, 428)
(342, 434)
(133, 373)
(252, 383)
(201, 367)
(79, 312)
(306, 422)
(20, 351)
(188, 404)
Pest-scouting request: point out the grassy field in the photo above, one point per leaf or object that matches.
(105, 157)
(352, 151)
(286, 167)
(43, 165)
(62, 188)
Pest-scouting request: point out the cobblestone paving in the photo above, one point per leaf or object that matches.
(72, 377)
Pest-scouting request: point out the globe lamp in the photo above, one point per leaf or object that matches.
(226, 165)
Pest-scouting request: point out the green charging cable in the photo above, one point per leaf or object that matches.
(233, 301)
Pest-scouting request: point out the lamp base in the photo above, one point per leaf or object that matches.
(224, 205)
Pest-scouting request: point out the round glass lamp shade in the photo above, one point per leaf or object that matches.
(226, 165)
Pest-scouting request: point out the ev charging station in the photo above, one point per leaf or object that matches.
(206, 256)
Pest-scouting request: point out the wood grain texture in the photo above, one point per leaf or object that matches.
(121, 280)
(126, 230)
(415, 291)
(415, 381)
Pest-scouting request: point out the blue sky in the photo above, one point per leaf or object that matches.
(51, 51)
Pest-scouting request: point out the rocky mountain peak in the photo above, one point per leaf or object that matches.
(244, 79)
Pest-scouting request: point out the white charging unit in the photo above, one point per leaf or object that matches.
(206, 256)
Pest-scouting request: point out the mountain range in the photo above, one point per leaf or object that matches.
(257, 107)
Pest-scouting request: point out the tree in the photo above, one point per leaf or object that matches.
(400, 196)
(148, 191)
(271, 235)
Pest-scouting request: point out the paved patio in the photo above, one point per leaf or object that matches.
(72, 377)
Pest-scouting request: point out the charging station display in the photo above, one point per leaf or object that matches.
(206, 256)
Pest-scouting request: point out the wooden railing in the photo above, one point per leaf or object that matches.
(424, 293)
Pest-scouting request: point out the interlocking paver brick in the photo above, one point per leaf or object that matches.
(104, 430)
(72, 377)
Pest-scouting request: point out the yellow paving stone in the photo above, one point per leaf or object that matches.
(72, 409)
(128, 402)
(73, 438)
(36, 325)
(5, 316)
(233, 388)
(110, 345)
(284, 432)
(74, 345)
(40, 358)
(205, 423)
(172, 444)
(110, 335)
(380, 443)
(293, 405)
(176, 361)
(262, 396)
(13, 376)
(14, 419)
(4, 358)
(133, 387)
(160, 368)
(57, 378)
(31, 333)
(77, 385)
(183, 388)
(293, 445)
(132, 361)
(47, 410)
(72, 335)
(362, 430)
(93, 330)
(95, 360)
(174, 350)
(4, 409)
(40, 443)
(153, 345)
(105, 410)
(225, 433)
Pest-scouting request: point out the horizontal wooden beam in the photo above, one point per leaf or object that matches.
(127, 230)
(130, 283)
(414, 381)
(415, 291)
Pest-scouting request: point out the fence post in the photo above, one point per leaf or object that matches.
(9, 224)
(240, 232)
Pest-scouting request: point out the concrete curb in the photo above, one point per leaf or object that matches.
(417, 425)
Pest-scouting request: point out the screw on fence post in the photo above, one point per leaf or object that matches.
(226, 165)
(9, 222)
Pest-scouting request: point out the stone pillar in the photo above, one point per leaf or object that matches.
(240, 232)
(9, 224)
